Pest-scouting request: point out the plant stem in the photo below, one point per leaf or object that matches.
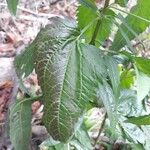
(99, 23)
(95, 32)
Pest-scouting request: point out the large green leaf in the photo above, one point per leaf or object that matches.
(12, 6)
(142, 120)
(136, 24)
(20, 124)
(88, 18)
(68, 73)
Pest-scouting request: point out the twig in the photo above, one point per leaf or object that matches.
(101, 128)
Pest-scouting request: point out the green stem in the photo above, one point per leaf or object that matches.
(95, 32)
(99, 23)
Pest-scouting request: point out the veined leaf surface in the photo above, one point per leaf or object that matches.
(68, 73)
(20, 124)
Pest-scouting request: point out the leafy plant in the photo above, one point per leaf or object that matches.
(76, 71)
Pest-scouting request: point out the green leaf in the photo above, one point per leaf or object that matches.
(106, 95)
(128, 105)
(12, 6)
(143, 64)
(51, 144)
(142, 120)
(136, 146)
(143, 77)
(20, 124)
(110, 96)
(122, 3)
(68, 73)
(133, 132)
(146, 130)
(24, 63)
(136, 24)
(127, 79)
(86, 16)
(113, 73)
(61, 146)
(81, 140)
(143, 86)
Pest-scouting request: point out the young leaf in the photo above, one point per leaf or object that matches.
(142, 120)
(86, 16)
(127, 79)
(12, 6)
(137, 25)
(20, 124)
(67, 72)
